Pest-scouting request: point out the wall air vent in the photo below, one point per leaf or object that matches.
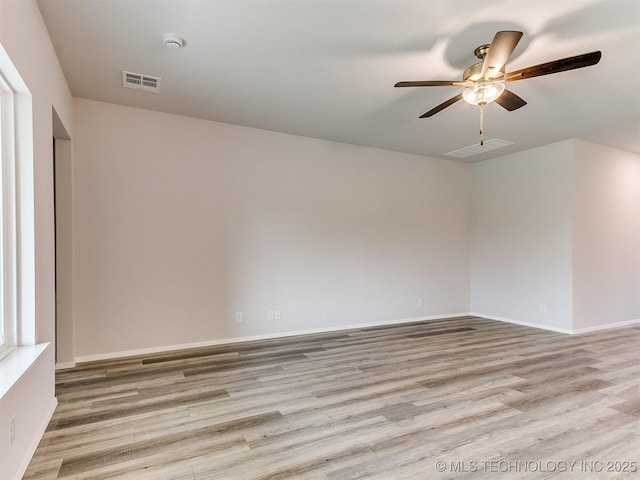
(477, 149)
(138, 81)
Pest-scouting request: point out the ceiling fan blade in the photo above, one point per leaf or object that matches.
(501, 48)
(510, 101)
(562, 65)
(442, 106)
(430, 83)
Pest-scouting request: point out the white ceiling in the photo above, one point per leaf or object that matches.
(326, 68)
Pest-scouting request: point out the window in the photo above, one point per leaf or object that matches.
(17, 275)
(4, 330)
(8, 324)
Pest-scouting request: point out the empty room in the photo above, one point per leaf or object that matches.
(319, 240)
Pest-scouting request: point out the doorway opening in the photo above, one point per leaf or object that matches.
(63, 260)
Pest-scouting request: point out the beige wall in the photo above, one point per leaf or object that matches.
(522, 237)
(606, 255)
(30, 400)
(180, 222)
(557, 226)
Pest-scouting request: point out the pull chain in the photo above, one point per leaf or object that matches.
(481, 125)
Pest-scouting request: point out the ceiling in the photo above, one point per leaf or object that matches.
(326, 68)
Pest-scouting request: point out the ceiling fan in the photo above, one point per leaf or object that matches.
(484, 82)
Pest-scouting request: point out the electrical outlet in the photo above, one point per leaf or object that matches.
(420, 303)
(239, 317)
(270, 315)
(276, 315)
(12, 430)
(543, 308)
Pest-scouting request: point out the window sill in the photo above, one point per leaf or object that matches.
(5, 351)
(16, 364)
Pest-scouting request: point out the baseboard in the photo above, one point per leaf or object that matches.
(223, 341)
(65, 365)
(525, 324)
(606, 326)
(36, 441)
(574, 331)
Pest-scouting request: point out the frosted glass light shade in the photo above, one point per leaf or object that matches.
(483, 92)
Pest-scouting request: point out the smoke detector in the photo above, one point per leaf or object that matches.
(171, 40)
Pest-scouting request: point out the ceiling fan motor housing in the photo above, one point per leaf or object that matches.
(474, 73)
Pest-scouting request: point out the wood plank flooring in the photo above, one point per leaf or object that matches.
(455, 398)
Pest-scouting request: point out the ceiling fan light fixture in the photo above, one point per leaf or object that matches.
(482, 93)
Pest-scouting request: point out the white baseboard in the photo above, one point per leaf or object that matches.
(65, 365)
(573, 331)
(606, 326)
(222, 341)
(520, 322)
(36, 440)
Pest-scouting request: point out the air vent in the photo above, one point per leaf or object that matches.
(140, 82)
(477, 149)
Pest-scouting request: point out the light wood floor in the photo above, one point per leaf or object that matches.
(487, 399)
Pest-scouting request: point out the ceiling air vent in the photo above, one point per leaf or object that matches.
(477, 149)
(140, 82)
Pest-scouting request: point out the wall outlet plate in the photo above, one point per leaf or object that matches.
(12, 430)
